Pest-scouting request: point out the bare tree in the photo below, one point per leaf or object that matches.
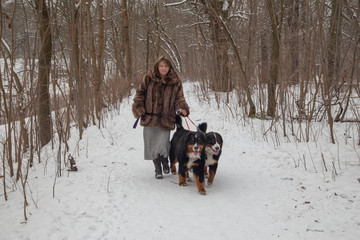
(100, 61)
(333, 53)
(219, 19)
(44, 72)
(76, 80)
(293, 11)
(128, 62)
(219, 16)
(276, 19)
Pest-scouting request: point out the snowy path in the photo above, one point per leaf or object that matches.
(257, 193)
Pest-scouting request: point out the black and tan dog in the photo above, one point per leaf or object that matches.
(213, 149)
(188, 149)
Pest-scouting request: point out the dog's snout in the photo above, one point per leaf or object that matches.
(217, 148)
(196, 148)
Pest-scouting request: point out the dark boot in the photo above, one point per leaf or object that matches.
(158, 171)
(165, 164)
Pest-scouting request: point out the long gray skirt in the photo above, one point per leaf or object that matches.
(156, 142)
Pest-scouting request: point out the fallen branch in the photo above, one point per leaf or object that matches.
(350, 120)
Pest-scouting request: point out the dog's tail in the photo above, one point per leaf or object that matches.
(203, 127)
(178, 122)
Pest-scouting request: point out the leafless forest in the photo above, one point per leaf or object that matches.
(65, 63)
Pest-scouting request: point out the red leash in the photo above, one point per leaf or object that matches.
(192, 123)
(187, 122)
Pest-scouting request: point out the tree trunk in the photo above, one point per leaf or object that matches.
(333, 54)
(44, 116)
(221, 79)
(251, 38)
(264, 45)
(293, 24)
(89, 88)
(157, 25)
(326, 82)
(148, 33)
(99, 59)
(252, 110)
(77, 94)
(128, 62)
(276, 22)
(221, 74)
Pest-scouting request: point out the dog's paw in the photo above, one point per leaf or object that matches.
(203, 192)
(209, 184)
(206, 175)
(183, 184)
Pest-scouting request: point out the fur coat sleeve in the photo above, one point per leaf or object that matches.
(180, 102)
(138, 107)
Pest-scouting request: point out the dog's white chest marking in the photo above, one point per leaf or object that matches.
(209, 157)
(210, 153)
(193, 157)
(191, 161)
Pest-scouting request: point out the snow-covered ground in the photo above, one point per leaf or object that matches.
(266, 187)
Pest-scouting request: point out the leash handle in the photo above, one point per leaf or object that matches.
(137, 121)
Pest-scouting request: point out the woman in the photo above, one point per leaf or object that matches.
(157, 99)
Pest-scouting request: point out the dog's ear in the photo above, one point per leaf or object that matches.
(203, 127)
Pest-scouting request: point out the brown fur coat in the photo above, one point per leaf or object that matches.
(159, 96)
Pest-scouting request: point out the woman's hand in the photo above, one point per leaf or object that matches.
(182, 112)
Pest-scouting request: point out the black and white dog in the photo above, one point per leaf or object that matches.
(188, 149)
(213, 149)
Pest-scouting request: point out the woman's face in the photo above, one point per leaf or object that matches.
(163, 69)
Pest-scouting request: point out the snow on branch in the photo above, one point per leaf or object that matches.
(174, 4)
(225, 6)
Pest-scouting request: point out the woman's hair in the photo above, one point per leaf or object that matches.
(171, 72)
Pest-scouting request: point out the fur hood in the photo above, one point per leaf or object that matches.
(169, 80)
